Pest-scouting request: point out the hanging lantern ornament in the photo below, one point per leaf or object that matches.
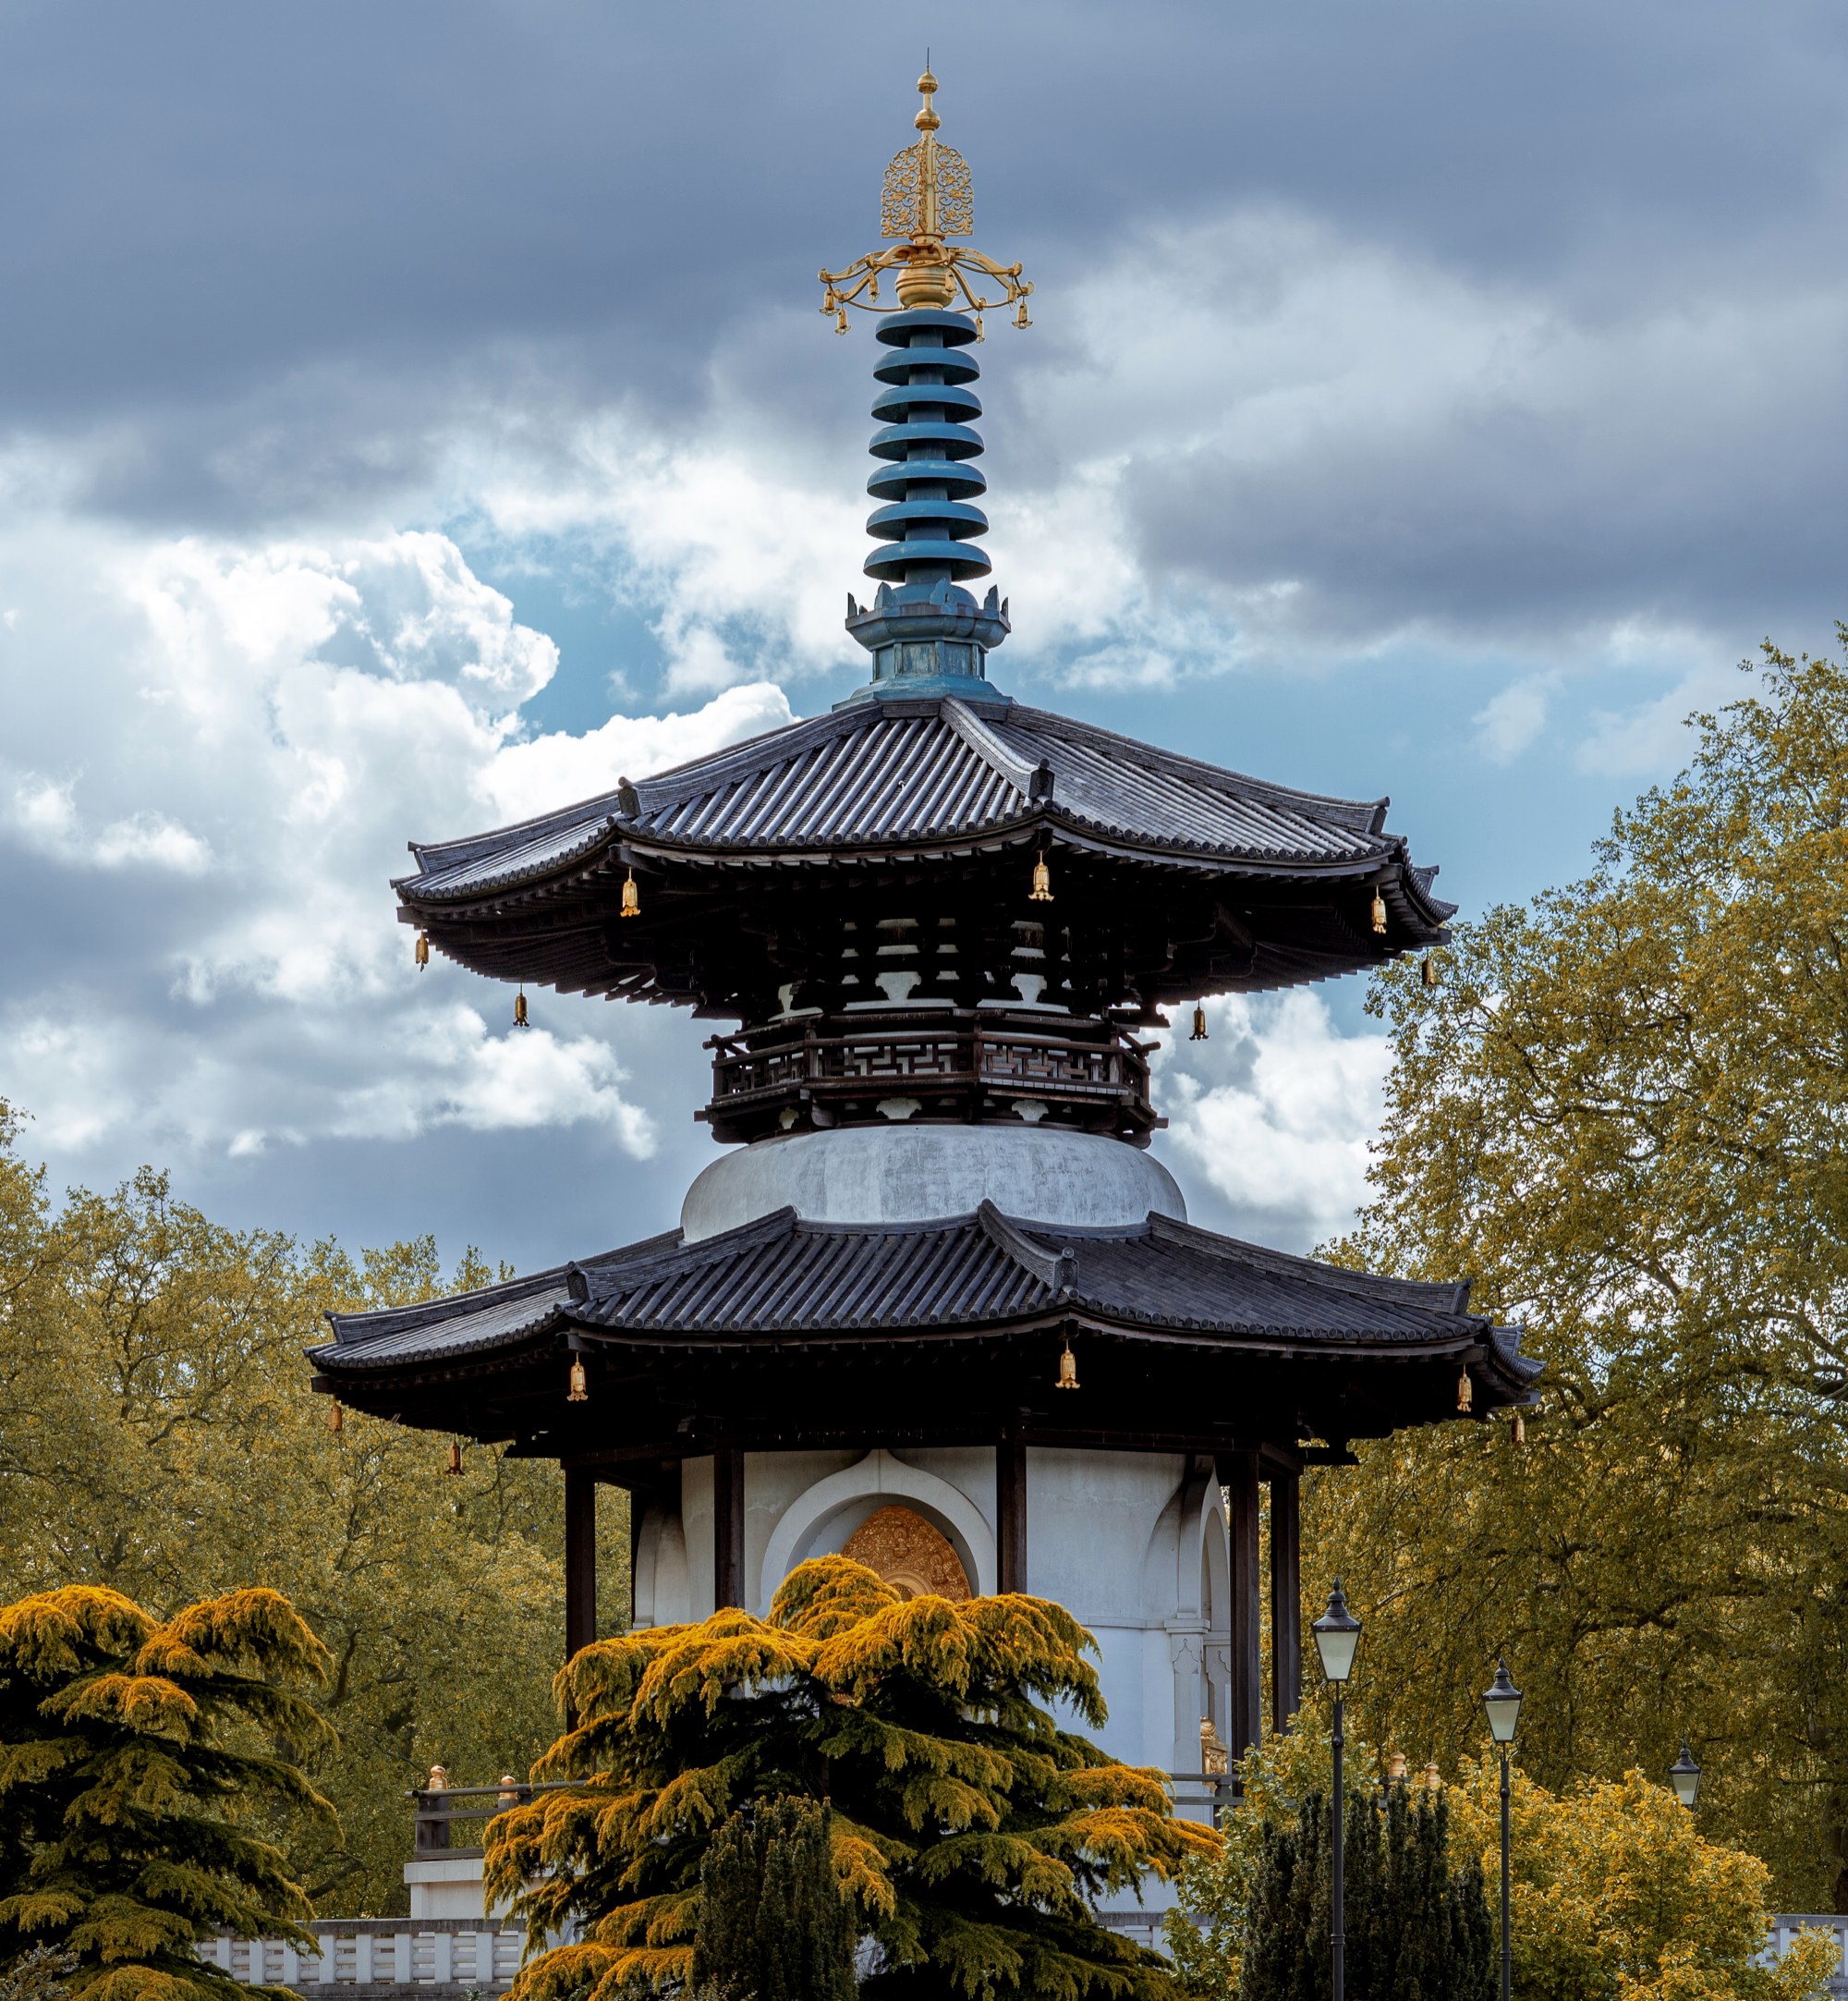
(1379, 915)
(631, 896)
(521, 1021)
(454, 1456)
(336, 1419)
(1520, 1430)
(1464, 1390)
(1068, 1369)
(1041, 891)
(1199, 1035)
(1428, 972)
(579, 1391)
(422, 950)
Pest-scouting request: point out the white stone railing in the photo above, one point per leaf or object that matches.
(374, 1957)
(1785, 1927)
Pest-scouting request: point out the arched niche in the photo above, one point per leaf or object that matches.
(818, 1522)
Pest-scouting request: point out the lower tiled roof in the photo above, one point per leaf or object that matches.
(783, 1276)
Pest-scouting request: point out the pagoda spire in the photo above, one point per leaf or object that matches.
(928, 634)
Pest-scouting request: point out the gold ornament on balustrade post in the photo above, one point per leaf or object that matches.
(927, 197)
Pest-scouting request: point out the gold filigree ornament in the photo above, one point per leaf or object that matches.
(928, 196)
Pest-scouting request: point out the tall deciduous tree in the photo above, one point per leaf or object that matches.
(973, 1830)
(131, 1778)
(1624, 1113)
(158, 1438)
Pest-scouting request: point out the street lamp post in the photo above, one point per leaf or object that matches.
(1501, 1700)
(1337, 1636)
(1685, 1777)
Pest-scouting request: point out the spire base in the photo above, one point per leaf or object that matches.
(928, 641)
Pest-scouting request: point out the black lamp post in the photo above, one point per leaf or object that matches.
(1685, 1777)
(1501, 1700)
(1337, 1636)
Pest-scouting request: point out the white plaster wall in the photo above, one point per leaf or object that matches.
(910, 1174)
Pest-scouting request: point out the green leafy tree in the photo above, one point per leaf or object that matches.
(774, 1923)
(129, 1778)
(1615, 1892)
(1624, 1113)
(973, 1831)
(160, 1439)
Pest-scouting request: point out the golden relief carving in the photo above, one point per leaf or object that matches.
(900, 199)
(913, 1558)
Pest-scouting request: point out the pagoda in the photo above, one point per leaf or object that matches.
(937, 1304)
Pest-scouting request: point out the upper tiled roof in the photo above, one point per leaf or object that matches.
(890, 774)
(781, 1274)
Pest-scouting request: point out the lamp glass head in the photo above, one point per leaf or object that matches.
(1501, 1700)
(1337, 1637)
(1685, 1777)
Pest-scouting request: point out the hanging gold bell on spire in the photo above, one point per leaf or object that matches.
(1199, 1035)
(336, 1420)
(422, 950)
(454, 1456)
(1464, 1390)
(631, 895)
(1041, 891)
(581, 1383)
(1068, 1369)
(1379, 915)
(521, 1021)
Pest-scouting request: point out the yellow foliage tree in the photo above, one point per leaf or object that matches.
(970, 1828)
(130, 1771)
(1614, 1893)
(161, 1440)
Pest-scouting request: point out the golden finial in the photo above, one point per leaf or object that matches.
(927, 197)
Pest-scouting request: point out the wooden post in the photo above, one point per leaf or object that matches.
(1010, 1502)
(580, 1558)
(1287, 1605)
(1246, 1720)
(728, 1526)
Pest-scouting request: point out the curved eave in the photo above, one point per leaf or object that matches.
(1383, 860)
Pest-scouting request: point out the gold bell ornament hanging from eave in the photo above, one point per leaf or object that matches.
(1068, 1369)
(631, 896)
(1199, 1035)
(1429, 971)
(454, 1458)
(579, 1391)
(422, 950)
(1379, 915)
(1465, 1390)
(336, 1418)
(521, 1021)
(1041, 891)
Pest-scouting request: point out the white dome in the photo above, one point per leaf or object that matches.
(914, 1173)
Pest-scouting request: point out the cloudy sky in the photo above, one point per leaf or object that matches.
(412, 416)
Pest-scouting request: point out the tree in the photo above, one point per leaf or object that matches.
(971, 1829)
(128, 1781)
(1615, 1892)
(1624, 1113)
(160, 1439)
(1416, 1930)
(774, 1923)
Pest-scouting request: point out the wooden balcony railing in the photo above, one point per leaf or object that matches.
(962, 1065)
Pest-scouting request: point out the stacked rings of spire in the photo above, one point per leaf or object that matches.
(927, 527)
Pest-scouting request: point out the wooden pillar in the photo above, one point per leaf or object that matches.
(1246, 1720)
(728, 1526)
(580, 1558)
(1286, 1598)
(1010, 1505)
